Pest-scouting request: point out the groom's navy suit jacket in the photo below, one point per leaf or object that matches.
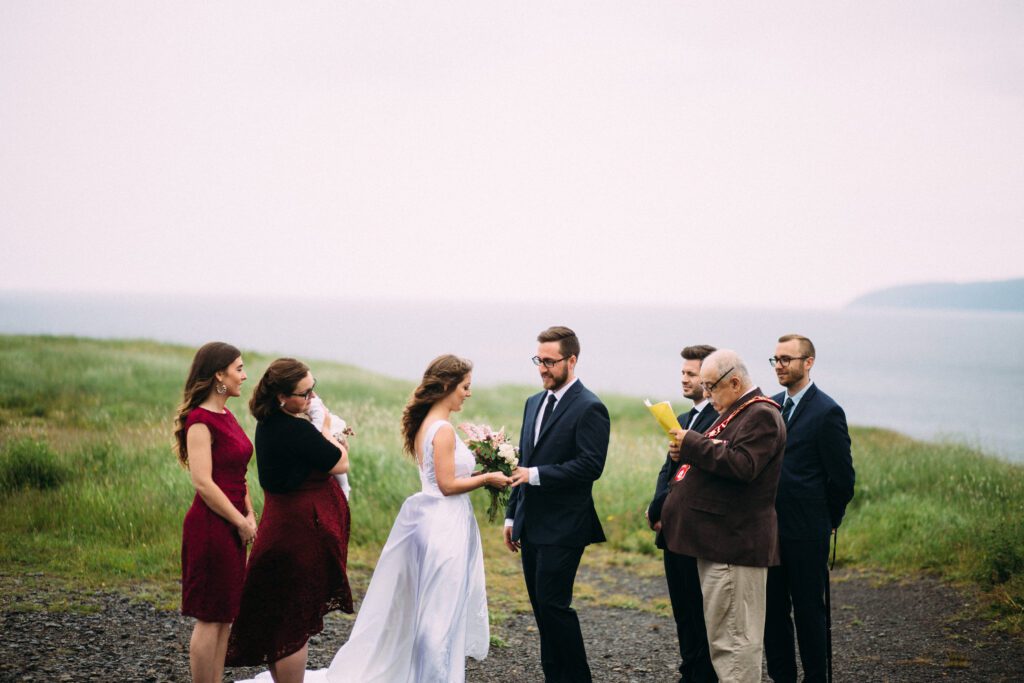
(569, 456)
(817, 475)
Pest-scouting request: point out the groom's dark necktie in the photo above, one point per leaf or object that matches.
(692, 418)
(548, 409)
(787, 409)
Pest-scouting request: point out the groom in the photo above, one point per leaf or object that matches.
(550, 515)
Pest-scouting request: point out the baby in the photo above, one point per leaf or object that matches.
(317, 415)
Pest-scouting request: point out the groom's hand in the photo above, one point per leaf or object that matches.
(520, 476)
(509, 543)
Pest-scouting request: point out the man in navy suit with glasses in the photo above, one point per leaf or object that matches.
(550, 516)
(814, 488)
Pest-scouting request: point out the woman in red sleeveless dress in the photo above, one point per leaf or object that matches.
(221, 521)
(297, 572)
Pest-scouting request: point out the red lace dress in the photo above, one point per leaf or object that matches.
(212, 553)
(297, 571)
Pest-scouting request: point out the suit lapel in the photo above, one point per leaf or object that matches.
(702, 423)
(560, 408)
(804, 402)
(529, 422)
(732, 409)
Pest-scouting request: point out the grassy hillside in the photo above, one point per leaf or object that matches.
(91, 492)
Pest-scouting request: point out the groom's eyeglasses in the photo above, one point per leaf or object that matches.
(547, 362)
(307, 393)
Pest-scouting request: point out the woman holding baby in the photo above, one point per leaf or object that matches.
(297, 569)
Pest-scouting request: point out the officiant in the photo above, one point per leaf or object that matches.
(721, 510)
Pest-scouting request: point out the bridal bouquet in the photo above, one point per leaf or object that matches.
(494, 453)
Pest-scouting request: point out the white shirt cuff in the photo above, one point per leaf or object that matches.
(534, 476)
(508, 522)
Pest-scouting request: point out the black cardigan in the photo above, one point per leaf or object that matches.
(288, 449)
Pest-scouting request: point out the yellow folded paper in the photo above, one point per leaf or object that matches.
(664, 414)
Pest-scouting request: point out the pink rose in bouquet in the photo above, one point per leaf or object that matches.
(494, 453)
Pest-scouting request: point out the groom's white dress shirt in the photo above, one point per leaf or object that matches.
(534, 474)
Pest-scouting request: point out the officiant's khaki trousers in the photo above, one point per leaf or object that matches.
(734, 599)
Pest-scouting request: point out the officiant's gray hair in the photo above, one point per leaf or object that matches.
(720, 361)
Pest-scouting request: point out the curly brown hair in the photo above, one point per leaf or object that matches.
(440, 379)
(211, 358)
(280, 378)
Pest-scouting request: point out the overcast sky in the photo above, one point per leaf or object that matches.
(783, 153)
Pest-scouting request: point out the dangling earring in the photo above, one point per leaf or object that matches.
(222, 388)
(282, 404)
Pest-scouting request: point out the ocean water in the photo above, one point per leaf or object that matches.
(947, 375)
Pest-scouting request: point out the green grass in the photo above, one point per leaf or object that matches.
(941, 508)
(91, 491)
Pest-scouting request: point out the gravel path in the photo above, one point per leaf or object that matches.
(907, 631)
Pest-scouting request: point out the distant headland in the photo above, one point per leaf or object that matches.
(1002, 295)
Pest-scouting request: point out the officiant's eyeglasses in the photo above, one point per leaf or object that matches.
(784, 361)
(548, 362)
(711, 387)
(306, 394)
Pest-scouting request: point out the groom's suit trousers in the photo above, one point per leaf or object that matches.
(550, 572)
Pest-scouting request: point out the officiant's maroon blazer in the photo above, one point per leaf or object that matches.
(723, 510)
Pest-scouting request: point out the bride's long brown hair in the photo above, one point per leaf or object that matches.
(440, 379)
(210, 359)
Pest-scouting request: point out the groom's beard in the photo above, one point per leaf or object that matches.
(553, 381)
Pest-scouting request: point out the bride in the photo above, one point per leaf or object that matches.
(425, 610)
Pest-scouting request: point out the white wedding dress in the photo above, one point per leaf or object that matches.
(426, 608)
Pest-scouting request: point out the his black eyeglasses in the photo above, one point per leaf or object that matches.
(784, 361)
(548, 362)
(711, 387)
(307, 393)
